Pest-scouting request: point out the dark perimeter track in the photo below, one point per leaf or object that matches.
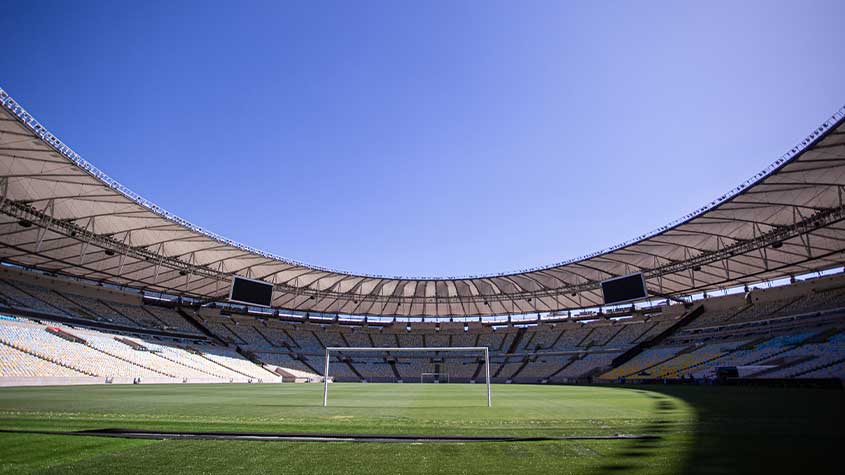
(311, 437)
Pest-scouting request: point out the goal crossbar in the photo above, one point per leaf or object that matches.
(418, 349)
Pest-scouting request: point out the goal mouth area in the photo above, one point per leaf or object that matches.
(466, 350)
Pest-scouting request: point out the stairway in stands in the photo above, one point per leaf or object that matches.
(816, 368)
(522, 367)
(564, 366)
(478, 370)
(305, 362)
(392, 364)
(116, 356)
(218, 363)
(352, 368)
(705, 361)
(683, 351)
(511, 349)
(632, 353)
(182, 363)
(193, 318)
(45, 358)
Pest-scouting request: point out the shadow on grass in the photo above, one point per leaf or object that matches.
(637, 456)
(739, 430)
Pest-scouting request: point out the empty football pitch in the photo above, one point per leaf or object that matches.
(530, 429)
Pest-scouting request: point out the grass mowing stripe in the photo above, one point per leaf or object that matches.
(27, 453)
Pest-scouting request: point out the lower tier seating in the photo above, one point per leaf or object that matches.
(31, 349)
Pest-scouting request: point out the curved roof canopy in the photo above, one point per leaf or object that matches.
(60, 213)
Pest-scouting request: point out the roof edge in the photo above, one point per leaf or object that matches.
(60, 147)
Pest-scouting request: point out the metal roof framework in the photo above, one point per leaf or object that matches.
(61, 214)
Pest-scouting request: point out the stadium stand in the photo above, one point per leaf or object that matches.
(14, 362)
(793, 331)
(32, 349)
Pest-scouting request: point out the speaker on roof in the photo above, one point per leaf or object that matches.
(626, 288)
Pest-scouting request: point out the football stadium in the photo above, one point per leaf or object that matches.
(133, 340)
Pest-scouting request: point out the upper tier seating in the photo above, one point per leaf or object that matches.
(16, 296)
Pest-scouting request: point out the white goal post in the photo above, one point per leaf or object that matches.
(371, 349)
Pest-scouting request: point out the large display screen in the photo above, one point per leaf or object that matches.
(251, 292)
(624, 289)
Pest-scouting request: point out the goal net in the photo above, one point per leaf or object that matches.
(413, 361)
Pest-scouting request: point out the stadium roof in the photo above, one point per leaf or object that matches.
(61, 214)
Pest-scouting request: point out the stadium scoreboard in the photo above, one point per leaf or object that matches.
(251, 292)
(626, 288)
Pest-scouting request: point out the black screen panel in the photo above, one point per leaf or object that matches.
(624, 289)
(251, 292)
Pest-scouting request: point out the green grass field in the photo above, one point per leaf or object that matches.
(700, 429)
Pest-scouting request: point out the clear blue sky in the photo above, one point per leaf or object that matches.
(427, 138)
